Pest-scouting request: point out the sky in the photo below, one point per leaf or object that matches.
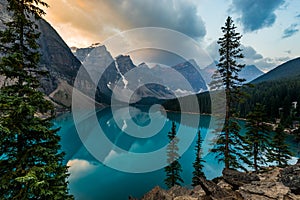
(270, 28)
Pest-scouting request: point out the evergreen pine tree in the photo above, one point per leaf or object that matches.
(229, 144)
(257, 137)
(280, 153)
(198, 166)
(31, 163)
(174, 168)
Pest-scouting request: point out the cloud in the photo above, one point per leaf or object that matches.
(251, 57)
(177, 15)
(80, 168)
(213, 50)
(99, 19)
(249, 52)
(266, 64)
(290, 31)
(255, 14)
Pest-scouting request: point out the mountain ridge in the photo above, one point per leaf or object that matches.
(113, 71)
(289, 69)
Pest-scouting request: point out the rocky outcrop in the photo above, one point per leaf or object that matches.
(272, 184)
(237, 179)
(266, 190)
(191, 72)
(197, 193)
(290, 177)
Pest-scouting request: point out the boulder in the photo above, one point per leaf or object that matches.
(290, 177)
(270, 174)
(157, 193)
(237, 179)
(197, 191)
(265, 191)
(177, 190)
(213, 191)
(224, 185)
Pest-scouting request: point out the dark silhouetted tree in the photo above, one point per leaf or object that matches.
(174, 169)
(230, 142)
(257, 137)
(198, 166)
(280, 153)
(31, 163)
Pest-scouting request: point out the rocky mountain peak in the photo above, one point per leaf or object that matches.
(125, 62)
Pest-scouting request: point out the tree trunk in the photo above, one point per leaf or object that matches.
(227, 117)
(255, 152)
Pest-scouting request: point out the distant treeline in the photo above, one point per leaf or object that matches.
(273, 94)
(204, 102)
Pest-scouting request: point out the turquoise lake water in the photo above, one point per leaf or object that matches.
(90, 179)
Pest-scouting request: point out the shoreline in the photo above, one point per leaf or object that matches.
(60, 112)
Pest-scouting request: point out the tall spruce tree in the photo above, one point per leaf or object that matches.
(174, 169)
(31, 163)
(229, 144)
(198, 164)
(280, 153)
(257, 137)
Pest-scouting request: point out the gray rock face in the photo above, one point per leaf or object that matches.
(290, 177)
(56, 58)
(107, 72)
(190, 73)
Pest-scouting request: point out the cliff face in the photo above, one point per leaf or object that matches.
(190, 73)
(56, 58)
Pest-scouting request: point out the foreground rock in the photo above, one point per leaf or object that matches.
(290, 177)
(237, 179)
(266, 190)
(272, 184)
(208, 190)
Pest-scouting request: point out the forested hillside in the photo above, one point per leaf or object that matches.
(277, 96)
(274, 95)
